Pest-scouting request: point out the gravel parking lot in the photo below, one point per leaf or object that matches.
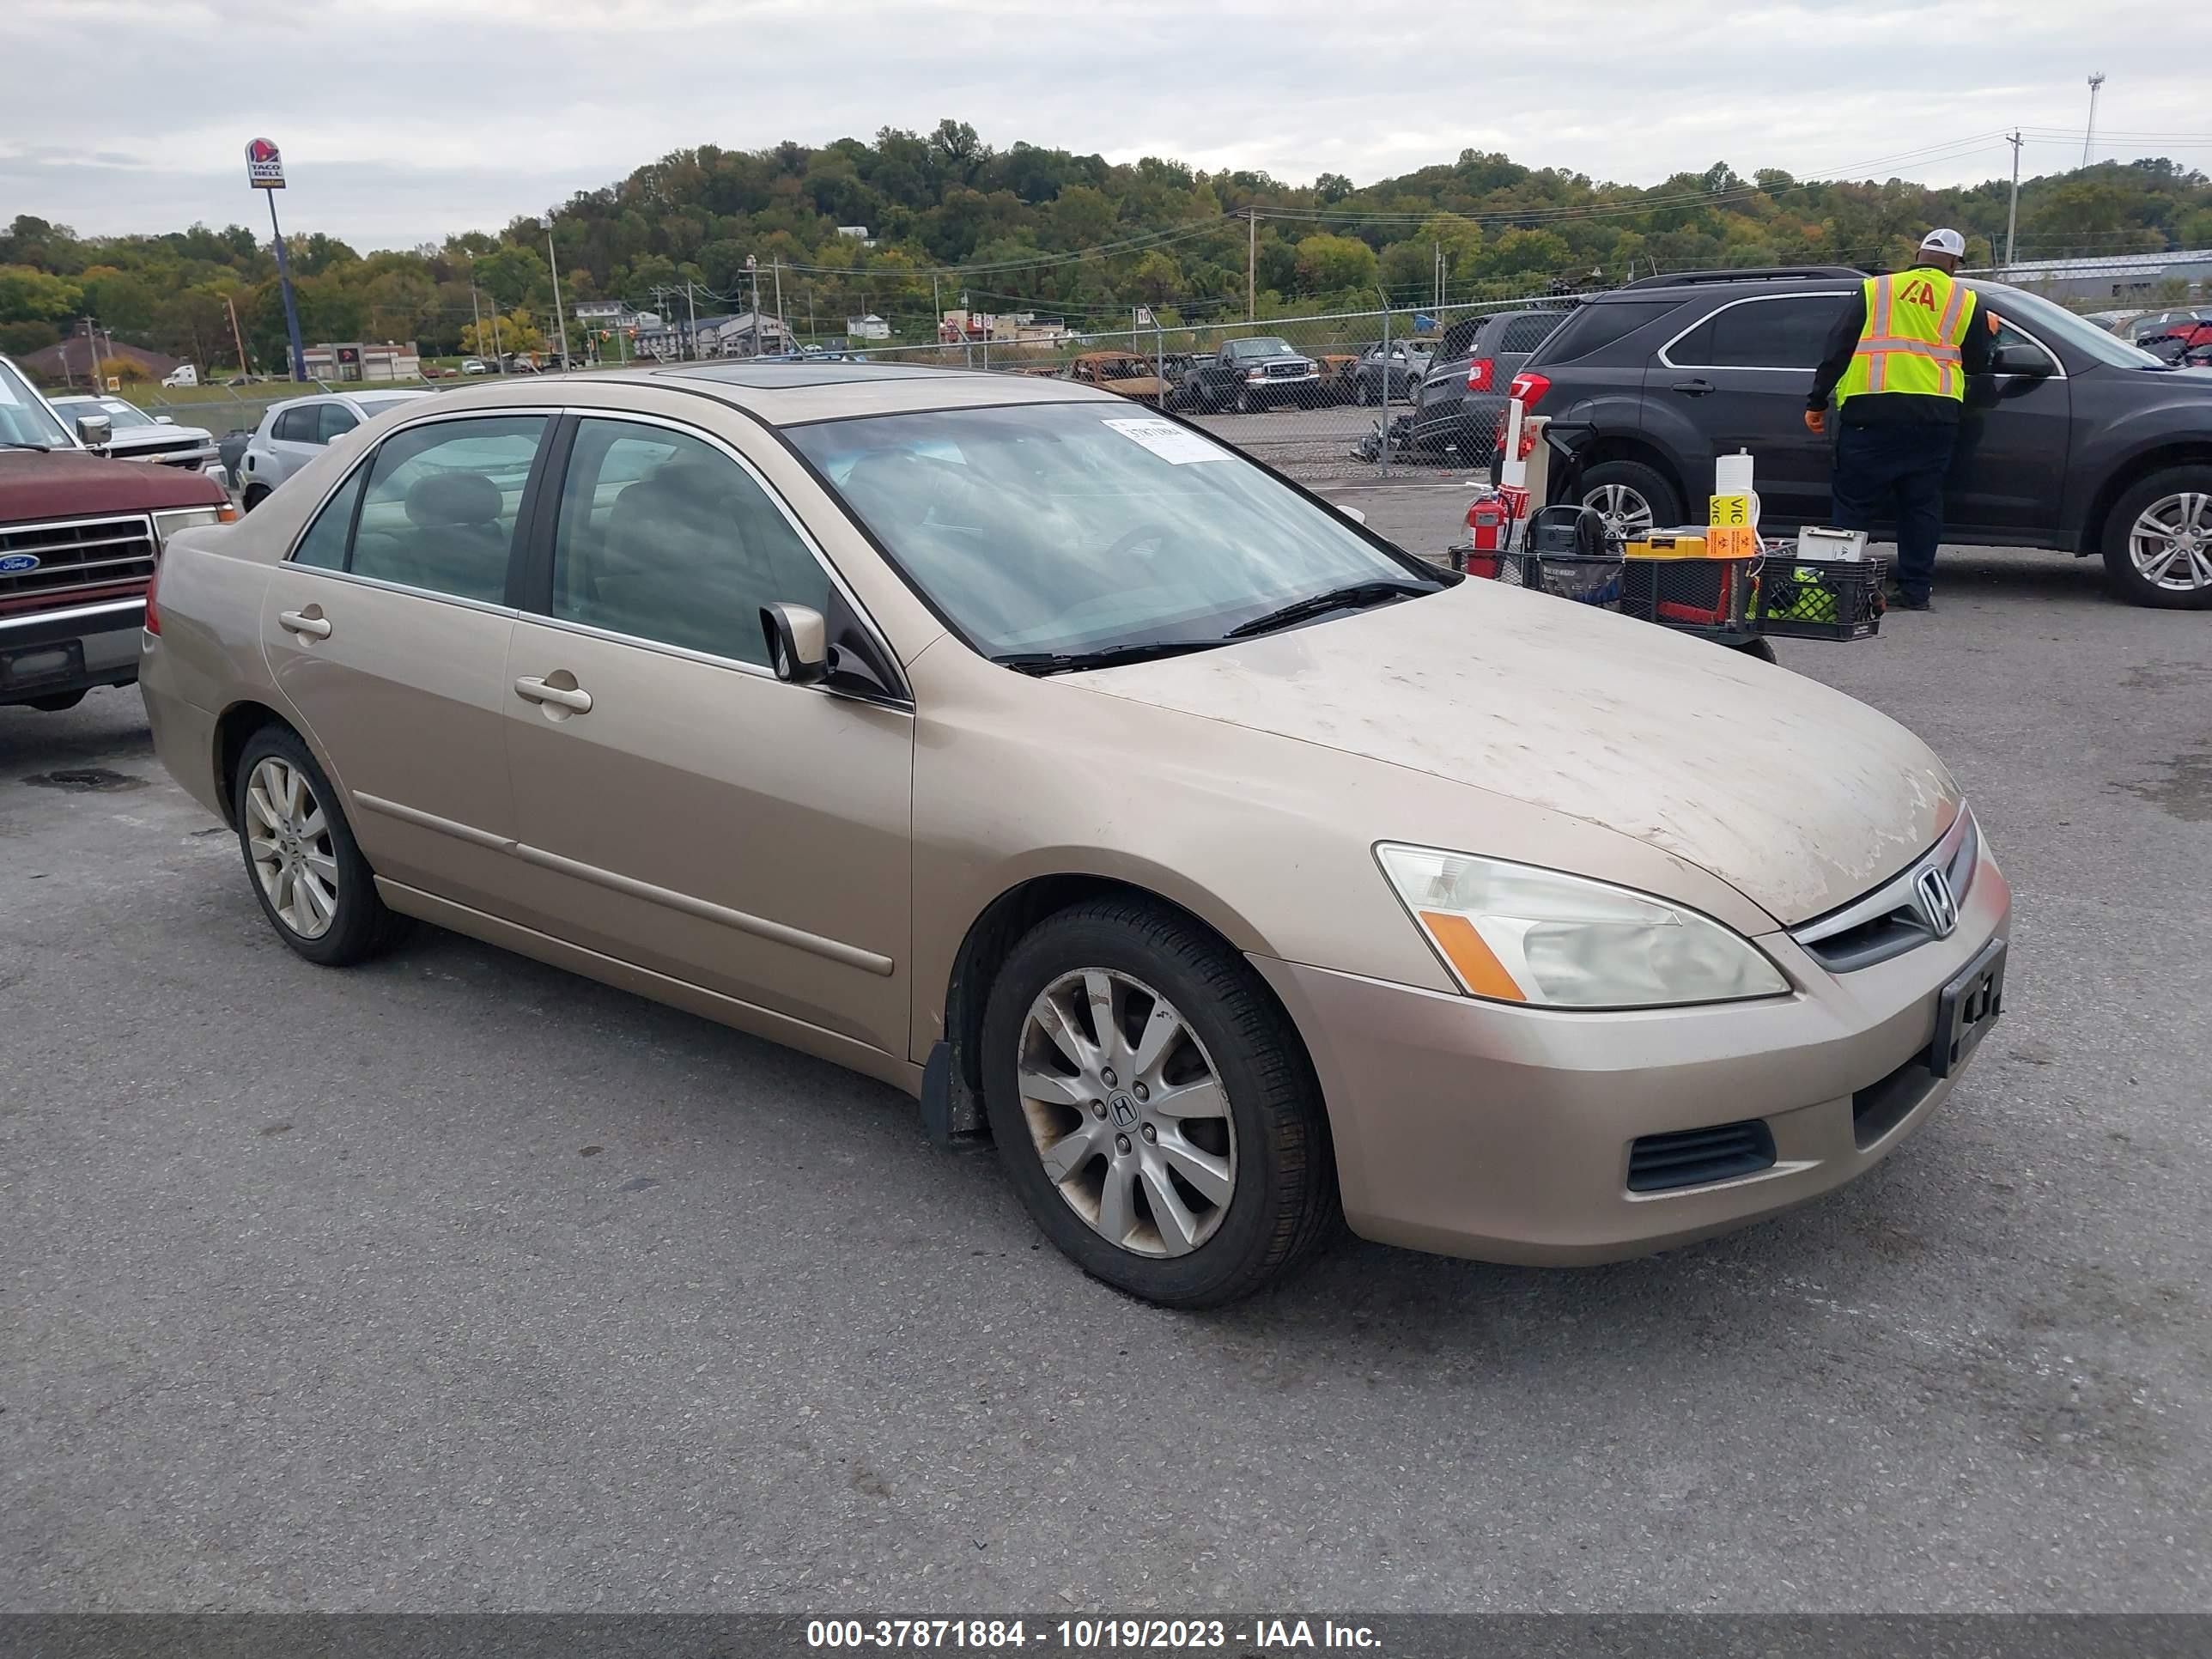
(457, 1282)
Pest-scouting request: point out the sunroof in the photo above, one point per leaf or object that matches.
(771, 376)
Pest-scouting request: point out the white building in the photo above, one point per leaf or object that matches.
(869, 327)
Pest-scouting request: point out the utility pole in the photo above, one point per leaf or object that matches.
(691, 305)
(2089, 137)
(498, 351)
(782, 330)
(753, 269)
(2012, 214)
(935, 310)
(559, 315)
(1251, 264)
(236, 338)
(475, 315)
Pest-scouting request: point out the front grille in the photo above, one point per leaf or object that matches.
(74, 555)
(1888, 923)
(1698, 1157)
(1288, 371)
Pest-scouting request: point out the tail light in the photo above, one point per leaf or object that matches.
(153, 617)
(1480, 373)
(1530, 388)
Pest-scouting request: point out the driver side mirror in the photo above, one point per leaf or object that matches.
(798, 643)
(2019, 358)
(93, 431)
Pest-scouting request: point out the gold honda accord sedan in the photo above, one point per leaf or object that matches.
(1231, 869)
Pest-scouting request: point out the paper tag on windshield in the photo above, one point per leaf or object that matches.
(1170, 442)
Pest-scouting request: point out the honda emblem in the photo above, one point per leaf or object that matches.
(1937, 907)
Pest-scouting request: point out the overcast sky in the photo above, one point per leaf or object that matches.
(404, 120)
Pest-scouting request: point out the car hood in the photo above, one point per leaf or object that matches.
(68, 482)
(1797, 796)
(160, 437)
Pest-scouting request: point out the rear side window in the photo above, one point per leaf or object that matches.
(296, 426)
(441, 503)
(324, 546)
(1527, 333)
(1787, 331)
(1593, 328)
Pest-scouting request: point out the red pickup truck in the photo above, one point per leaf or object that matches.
(80, 536)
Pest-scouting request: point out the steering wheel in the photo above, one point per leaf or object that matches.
(1134, 537)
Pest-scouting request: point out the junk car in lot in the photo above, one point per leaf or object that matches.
(79, 536)
(1068, 769)
(135, 436)
(2078, 440)
(1250, 375)
(1123, 373)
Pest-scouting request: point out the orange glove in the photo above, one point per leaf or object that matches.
(1816, 421)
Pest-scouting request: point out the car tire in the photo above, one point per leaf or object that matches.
(1233, 1048)
(1761, 648)
(255, 494)
(1244, 404)
(2179, 498)
(330, 912)
(1361, 393)
(1622, 483)
(55, 703)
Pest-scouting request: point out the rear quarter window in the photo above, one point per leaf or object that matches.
(1593, 328)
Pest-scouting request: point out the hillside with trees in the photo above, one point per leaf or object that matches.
(1028, 228)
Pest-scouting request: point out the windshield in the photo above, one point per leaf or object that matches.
(24, 417)
(120, 414)
(1070, 528)
(1266, 346)
(2055, 323)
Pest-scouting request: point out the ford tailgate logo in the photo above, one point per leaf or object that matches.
(14, 564)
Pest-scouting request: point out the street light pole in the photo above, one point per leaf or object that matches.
(559, 315)
(2012, 214)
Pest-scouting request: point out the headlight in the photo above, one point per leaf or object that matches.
(1255, 374)
(1516, 934)
(166, 524)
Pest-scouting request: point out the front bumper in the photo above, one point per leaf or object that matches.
(72, 647)
(1478, 1129)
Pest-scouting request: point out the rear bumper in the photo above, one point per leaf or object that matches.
(45, 653)
(1479, 1129)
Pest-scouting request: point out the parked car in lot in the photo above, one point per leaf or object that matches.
(1086, 779)
(293, 433)
(79, 534)
(1407, 364)
(135, 436)
(1123, 373)
(1256, 373)
(2078, 441)
(1463, 393)
(475, 366)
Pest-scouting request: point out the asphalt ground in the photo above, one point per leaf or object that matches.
(457, 1282)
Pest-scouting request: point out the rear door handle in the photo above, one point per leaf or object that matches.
(299, 622)
(536, 691)
(1694, 388)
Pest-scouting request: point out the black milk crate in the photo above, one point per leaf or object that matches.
(1702, 596)
(1819, 599)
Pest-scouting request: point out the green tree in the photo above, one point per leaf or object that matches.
(31, 295)
(511, 274)
(1328, 264)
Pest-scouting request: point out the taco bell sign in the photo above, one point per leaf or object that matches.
(265, 168)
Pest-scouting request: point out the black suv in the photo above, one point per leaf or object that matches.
(2078, 440)
(1463, 395)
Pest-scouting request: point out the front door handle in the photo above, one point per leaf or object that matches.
(536, 691)
(310, 621)
(1694, 388)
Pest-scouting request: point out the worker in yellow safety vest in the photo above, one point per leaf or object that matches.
(1898, 361)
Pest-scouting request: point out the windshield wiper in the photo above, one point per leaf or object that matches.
(1068, 662)
(1337, 598)
(10, 443)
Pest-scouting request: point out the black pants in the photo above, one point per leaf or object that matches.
(1896, 473)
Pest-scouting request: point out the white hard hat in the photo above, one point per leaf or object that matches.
(1944, 241)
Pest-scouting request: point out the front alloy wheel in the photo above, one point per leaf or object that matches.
(289, 839)
(2170, 544)
(1127, 1113)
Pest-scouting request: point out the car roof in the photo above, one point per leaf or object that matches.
(795, 393)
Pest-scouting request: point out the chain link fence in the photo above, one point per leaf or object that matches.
(1313, 396)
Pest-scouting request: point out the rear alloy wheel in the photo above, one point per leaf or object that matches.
(2158, 541)
(1153, 1107)
(255, 494)
(1632, 498)
(313, 884)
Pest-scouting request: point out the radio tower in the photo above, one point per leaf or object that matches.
(2096, 80)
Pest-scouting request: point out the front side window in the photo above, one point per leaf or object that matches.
(1064, 528)
(441, 503)
(335, 421)
(1790, 332)
(663, 536)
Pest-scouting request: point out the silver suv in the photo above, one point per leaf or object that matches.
(294, 432)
